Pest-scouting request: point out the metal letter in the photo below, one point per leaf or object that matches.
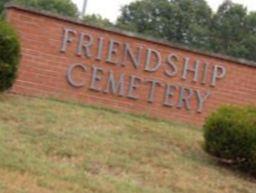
(205, 71)
(169, 92)
(151, 94)
(113, 87)
(133, 85)
(185, 96)
(216, 75)
(201, 100)
(70, 73)
(187, 69)
(85, 46)
(172, 65)
(100, 48)
(113, 45)
(67, 38)
(96, 78)
(158, 58)
(135, 59)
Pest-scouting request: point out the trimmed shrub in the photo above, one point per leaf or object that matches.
(9, 55)
(230, 135)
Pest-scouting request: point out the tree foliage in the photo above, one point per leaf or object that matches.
(249, 41)
(231, 30)
(234, 31)
(2, 3)
(182, 21)
(63, 7)
(97, 20)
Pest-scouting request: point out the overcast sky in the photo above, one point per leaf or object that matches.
(111, 8)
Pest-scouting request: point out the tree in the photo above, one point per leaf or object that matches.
(229, 30)
(63, 7)
(250, 38)
(182, 21)
(2, 3)
(97, 20)
(142, 17)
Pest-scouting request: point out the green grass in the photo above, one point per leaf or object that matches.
(48, 146)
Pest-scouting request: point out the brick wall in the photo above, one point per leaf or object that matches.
(123, 71)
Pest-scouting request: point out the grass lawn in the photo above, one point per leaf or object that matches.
(48, 146)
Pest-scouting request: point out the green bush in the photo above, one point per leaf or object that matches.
(9, 55)
(230, 134)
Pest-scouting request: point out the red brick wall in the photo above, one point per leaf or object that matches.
(43, 70)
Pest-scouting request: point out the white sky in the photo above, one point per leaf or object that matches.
(111, 8)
